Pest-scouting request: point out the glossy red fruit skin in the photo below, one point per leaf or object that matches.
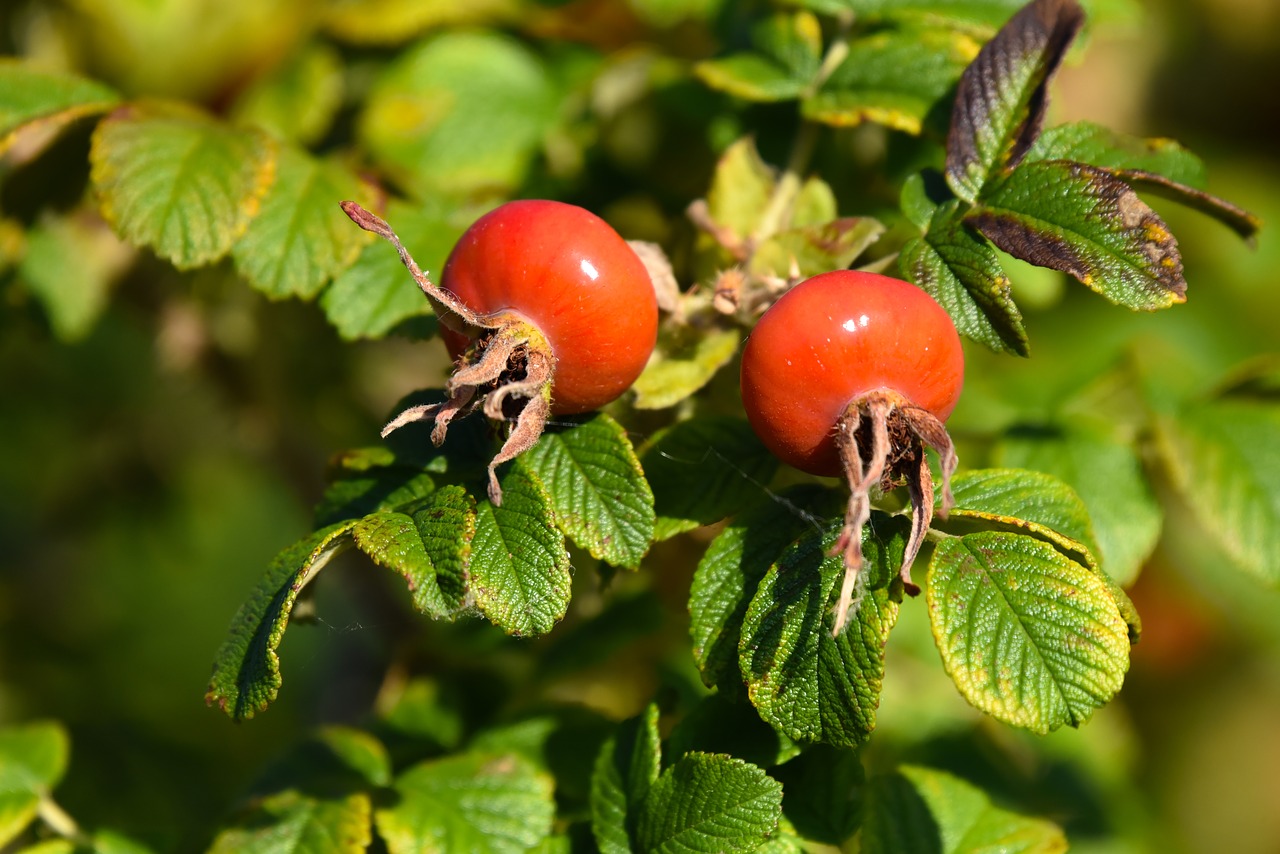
(831, 339)
(569, 273)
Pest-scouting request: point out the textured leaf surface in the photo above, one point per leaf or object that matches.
(1083, 221)
(1224, 458)
(1106, 472)
(1028, 635)
(709, 803)
(731, 570)
(292, 822)
(428, 543)
(893, 77)
(788, 53)
(704, 470)
(1086, 142)
(33, 758)
(179, 183)
(961, 270)
(923, 811)
(246, 672)
(625, 770)
(683, 365)
(28, 94)
(301, 238)
(1000, 103)
(356, 492)
(1034, 501)
(478, 802)
(373, 295)
(422, 125)
(598, 491)
(809, 685)
(519, 565)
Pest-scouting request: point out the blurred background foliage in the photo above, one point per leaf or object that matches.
(164, 433)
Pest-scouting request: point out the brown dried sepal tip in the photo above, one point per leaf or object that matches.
(881, 438)
(505, 373)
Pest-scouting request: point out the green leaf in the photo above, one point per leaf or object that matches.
(709, 803)
(301, 238)
(823, 793)
(893, 77)
(428, 543)
(1028, 635)
(299, 100)
(1086, 142)
(421, 711)
(1106, 472)
(70, 264)
(789, 51)
(519, 565)
(703, 470)
(1223, 457)
(565, 741)
(376, 293)
(1000, 103)
(392, 22)
(355, 493)
(1033, 501)
(33, 758)
(814, 249)
(479, 802)
(1084, 221)
(177, 182)
(811, 686)
(28, 94)
(246, 672)
(684, 361)
(625, 770)
(962, 272)
(923, 811)
(421, 124)
(598, 491)
(293, 822)
(980, 17)
(733, 566)
(740, 189)
(720, 723)
(333, 763)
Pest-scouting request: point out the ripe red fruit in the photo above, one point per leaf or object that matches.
(853, 373)
(545, 310)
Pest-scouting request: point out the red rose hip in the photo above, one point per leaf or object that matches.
(852, 374)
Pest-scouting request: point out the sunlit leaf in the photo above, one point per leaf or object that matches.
(709, 803)
(478, 802)
(291, 822)
(390, 22)
(29, 94)
(683, 363)
(1028, 635)
(625, 771)
(33, 758)
(598, 491)
(1086, 142)
(177, 182)
(784, 63)
(299, 100)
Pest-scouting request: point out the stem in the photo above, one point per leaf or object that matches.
(59, 821)
(778, 209)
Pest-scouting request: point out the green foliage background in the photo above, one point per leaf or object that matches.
(164, 434)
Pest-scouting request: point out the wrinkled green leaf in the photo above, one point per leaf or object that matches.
(299, 100)
(1106, 472)
(376, 293)
(1028, 635)
(1224, 459)
(478, 802)
(33, 758)
(29, 94)
(293, 822)
(733, 566)
(70, 265)
(301, 238)
(246, 671)
(709, 803)
(809, 685)
(355, 493)
(177, 182)
(1086, 222)
(427, 542)
(1086, 142)
(625, 771)
(893, 77)
(460, 112)
(598, 491)
(788, 53)
(704, 470)
(961, 270)
(1000, 103)
(923, 811)
(519, 571)
(683, 364)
